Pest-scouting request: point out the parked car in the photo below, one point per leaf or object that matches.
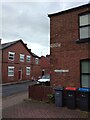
(45, 80)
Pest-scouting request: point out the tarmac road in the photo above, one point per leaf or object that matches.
(12, 89)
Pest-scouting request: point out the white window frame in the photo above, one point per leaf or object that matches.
(37, 60)
(28, 58)
(10, 72)
(22, 56)
(27, 68)
(84, 26)
(12, 56)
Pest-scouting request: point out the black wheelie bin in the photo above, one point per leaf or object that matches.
(71, 97)
(84, 99)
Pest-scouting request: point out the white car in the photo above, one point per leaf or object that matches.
(44, 79)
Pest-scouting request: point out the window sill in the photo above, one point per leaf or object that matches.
(83, 40)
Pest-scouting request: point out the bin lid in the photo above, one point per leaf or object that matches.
(84, 89)
(58, 88)
(71, 88)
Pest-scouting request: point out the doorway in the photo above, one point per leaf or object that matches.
(43, 72)
(20, 74)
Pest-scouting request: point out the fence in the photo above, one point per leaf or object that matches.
(40, 92)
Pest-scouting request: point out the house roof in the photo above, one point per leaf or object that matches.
(6, 45)
(34, 55)
(69, 10)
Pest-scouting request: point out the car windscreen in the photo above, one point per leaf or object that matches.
(46, 77)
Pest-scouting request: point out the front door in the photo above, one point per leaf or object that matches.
(43, 72)
(20, 74)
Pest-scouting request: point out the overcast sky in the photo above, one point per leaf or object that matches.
(29, 21)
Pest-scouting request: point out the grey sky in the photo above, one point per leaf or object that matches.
(29, 21)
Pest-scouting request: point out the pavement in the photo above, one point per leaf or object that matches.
(19, 106)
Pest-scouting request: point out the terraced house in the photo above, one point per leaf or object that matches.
(16, 62)
(70, 47)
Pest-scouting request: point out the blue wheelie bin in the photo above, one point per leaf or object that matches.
(84, 99)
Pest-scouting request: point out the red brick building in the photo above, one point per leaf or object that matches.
(40, 66)
(45, 64)
(36, 68)
(70, 47)
(16, 62)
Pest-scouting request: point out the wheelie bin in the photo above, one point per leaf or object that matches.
(58, 96)
(84, 99)
(71, 97)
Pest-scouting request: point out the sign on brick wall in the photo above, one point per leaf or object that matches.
(61, 71)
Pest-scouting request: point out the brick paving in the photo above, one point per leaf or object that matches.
(14, 99)
(35, 109)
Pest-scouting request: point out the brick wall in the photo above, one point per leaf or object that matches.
(45, 64)
(18, 48)
(64, 31)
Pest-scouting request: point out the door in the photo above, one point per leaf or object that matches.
(20, 74)
(43, 72)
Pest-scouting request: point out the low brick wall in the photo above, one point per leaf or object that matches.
(40, 92)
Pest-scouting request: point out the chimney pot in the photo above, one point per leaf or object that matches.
(26, 44)
(30, 50)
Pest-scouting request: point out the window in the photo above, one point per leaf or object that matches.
(10, 71)
(28, 58)
(36, 60)
(85, 73)
(21, 58)
(84, 26)
(27, 70)
(11, 56)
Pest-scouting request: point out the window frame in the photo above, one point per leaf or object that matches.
(23, 57)
(82, 40)
(28, 56)
(10, 67)
(12, 53)
(36, 62)
(81, 73)
(28, 73)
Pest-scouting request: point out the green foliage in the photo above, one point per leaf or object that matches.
(51, 98)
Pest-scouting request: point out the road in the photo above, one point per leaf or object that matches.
(8, 90)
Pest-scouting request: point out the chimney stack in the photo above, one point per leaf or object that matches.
(30, 50)
(26, 44)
